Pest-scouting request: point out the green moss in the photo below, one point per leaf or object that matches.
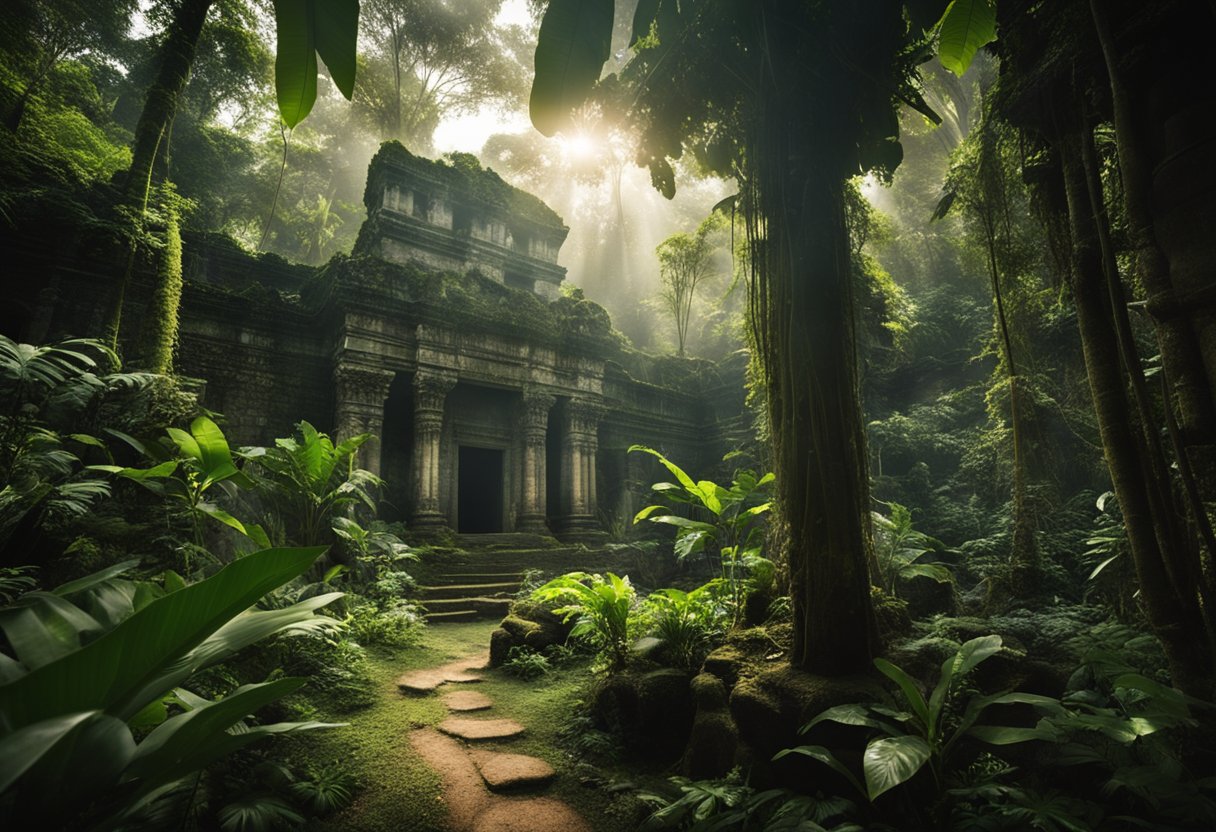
(397, 790)
(158, 334)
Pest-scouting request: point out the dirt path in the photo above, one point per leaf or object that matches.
(484, 789)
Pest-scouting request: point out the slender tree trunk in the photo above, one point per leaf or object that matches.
(175, 59)
(1176, 619)
(1191, 389)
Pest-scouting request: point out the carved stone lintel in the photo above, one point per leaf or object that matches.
(584, 415)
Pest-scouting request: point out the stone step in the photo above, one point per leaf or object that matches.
(511, 772)
(466, 728)
(483, 607)
(477, 590)
(478, 577)
(452, 616)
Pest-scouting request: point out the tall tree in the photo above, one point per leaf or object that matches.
(792, 99)
(436, 57)
(685, 262)
(1055, 95)
(39, 34)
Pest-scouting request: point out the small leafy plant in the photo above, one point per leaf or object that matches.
(688, 622)
(734, 524)
(602, 606)
(95, 660)
(924, 733)
(900, 550)
(526, 663)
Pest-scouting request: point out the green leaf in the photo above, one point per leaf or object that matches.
(891, 761)
(574, 42)
(676, 470)
(964, 28)
(818, 752)
(295, 61)
(336, 36)
(960, 664)
(911, 690)
(140, 474)
(148, 653)
(646, 512)
(935, 571)
(1004, 735)
(216, 513)
(21, 749)
(179, 741)
(89, 581)
(851, 714)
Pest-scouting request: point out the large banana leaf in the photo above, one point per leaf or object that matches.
(964, 28)
(574, 42)
(304, 28)
(125, 668)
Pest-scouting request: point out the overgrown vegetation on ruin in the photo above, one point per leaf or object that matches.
(813, 407)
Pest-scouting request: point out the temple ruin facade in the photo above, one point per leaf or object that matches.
(498, 403)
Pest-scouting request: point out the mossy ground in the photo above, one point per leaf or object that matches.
(397, 791)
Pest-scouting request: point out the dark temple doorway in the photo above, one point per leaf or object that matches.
(480, 481)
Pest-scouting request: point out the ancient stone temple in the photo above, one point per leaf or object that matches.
(499, 403)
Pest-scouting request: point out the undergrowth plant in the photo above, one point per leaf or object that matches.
(924, 733)
(601, 605)
(687, 622)
(93, 686)
(734, 524)
(900, 550)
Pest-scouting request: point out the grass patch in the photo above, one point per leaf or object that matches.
(397, 790)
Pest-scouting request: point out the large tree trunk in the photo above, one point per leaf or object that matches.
(175, 59)
(807, 345)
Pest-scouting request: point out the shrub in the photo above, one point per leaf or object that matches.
(526, 663)
(602, 606)
(688, 622)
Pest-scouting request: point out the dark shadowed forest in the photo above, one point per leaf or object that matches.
(605, 415)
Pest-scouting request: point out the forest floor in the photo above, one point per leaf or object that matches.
(413, 775)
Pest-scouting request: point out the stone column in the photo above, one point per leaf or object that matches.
(359, 394)
(430, 391)
(579, 445)
(533, 429)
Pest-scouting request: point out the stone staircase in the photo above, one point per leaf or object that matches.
(480, 576)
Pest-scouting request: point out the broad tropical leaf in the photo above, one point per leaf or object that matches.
(965, 27)
(574, 42)
(891, 761)
(147, 649)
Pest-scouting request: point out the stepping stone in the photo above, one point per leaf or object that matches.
(531, 814)
(503, 772)
(467, 700)
(480, 729)
(425, 681)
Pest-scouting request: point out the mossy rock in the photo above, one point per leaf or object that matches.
(726, 663)
(713, 745)
(926, 597)
(773, 705)
(714, 740)
(518, 631)
(894, 621)
(652, 712)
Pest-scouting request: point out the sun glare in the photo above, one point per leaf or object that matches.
(578, 147)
